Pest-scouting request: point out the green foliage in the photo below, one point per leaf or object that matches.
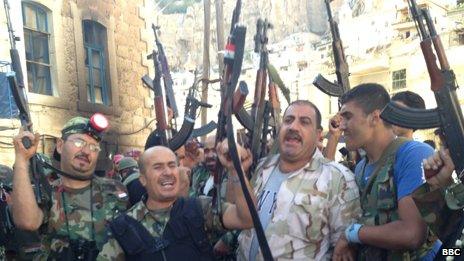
(176, 6)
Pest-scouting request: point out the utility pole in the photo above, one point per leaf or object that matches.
(220, 34)
(205, 77)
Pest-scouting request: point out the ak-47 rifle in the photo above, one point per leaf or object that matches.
(162, 128)
(16, 82)
(160, 135)
(191, 100)
(448, 114)
(166, 75)
(259, 102)
(274, 80)
(167, 79)
(342, 72)
(232, 67)
(163, 132)
(342, 84)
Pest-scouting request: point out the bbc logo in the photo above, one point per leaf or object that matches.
(451, 251)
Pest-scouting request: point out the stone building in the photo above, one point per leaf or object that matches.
(385, 51)
(80, 57)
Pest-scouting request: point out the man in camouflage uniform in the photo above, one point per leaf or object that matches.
(16, 243)
(305, 201)
(202, 174)
(441, 200)
(390, 227)
(166, 227)
(128, 172)
(73, 222)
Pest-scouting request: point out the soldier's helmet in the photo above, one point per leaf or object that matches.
(6, 176)
(126, 163)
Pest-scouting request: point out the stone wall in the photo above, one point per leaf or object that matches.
(128, 27)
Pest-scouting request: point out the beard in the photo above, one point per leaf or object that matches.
(81, 166)
(210, 163)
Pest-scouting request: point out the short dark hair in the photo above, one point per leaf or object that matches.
(410, 99)
(310, 104)
(368, 96)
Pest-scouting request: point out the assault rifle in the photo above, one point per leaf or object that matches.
(341, 66)
(16, 82)
(162, 134)
(274, 80)
(448, 115)
(191, 100)
(232, 67)
(166, 75)
(259, 102)
(162, 128)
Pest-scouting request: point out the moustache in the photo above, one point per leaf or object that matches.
(83, 156)
(291, 134)
(211, 158)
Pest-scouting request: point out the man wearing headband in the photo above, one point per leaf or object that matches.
(80, 203)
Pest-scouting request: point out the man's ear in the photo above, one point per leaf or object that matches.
(143, 179)
(59, 146)
(375, 118)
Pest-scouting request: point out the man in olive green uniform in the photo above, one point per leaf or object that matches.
(441, 200)
(166, 227)
(202, 174)
(80, 204)
(391, 227)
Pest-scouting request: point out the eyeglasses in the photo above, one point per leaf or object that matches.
(78, 143)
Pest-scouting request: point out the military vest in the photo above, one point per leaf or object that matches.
(183, 238)
(380, 206)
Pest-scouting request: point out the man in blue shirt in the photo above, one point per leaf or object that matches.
(391, 226)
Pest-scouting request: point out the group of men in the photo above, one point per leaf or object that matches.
(310, 207)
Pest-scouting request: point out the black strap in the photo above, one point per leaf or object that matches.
(133, 237)
(263, 244)
(390, 151)
(42, 163)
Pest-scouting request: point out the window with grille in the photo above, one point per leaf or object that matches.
(97, 80)
(399, 79)
(36, 41)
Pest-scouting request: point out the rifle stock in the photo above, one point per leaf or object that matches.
(275, 105)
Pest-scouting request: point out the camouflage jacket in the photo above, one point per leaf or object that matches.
(199, 177)
(155, 222)
(70, 215)
(314, 206)
(441, 209)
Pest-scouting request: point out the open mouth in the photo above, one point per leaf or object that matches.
(168, 184)
(210, 160)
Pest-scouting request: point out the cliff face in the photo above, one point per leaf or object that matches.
(182, 34)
